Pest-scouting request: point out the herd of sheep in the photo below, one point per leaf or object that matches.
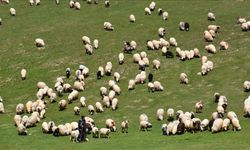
(178, 122)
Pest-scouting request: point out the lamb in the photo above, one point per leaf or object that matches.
(161, 32)
(110, 124)
(96, 43)
(156, 64)
(210, 48)
(99, 107)
(158, 86)
(172, 41)
(104, 132)
(12, 12)
(160, 114)
(132, 18)
(217, 125)
(124, 126)
(95, 132)
(226, 123)
(131, 84)
(91, 109)
(114, 103)
(165, 15)
(147, 11)
(208, 37)
(22, 130)
(62, 104)
(236, 124)
(198, 106)
(77, 110)
(121, 58)
(170, 114)
(77, 6)
(39, 43)
(108, 26)
(145, 125)
(224, 45)
(184, 26)
(211, 16)
(183, 78)
(213, 27)
(74, 136)
(204, 124)
(117, 76)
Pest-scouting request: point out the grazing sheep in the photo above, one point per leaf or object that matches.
(96, 43)
(103, 91)
(208, 37)
(20, 108)
(212, 33)
(246, 107)
(88, 49)
(213, 27)
(37, 2)
(77, 110)
(183, 78)
(204, 124)
(147, 11)
(17, 120)
(226, 123)
(145, 125)
(62, 104)
(72, 96)
(165, 15)
(22, 129)
(23, 74)
(220, 111)
(161, 32)
(151, 87)
(57, 2)
(117, 76)
(152, 6)
(42, 113)
(236, 124)
(210, 48)
(104, 132)
(131, 84)
(133, 45)
(160, 11)
(224, 45)
(158, 86)
(132, 18)
(114, 103)
(45, 127)
(150, 45)
(143, 117)
(217, 125)
(95, 132)
(196, 52)
(86, 40)
(111, 84)
(172, 41)
(71, 4)
(111, 95)
(244, 26)
(1, 22)
(79, 85)
(99, 107)
(74, 136)
(121, 58)
(184, 26)
(39, 43)
(100, 72)
(91, 109)
(124, 126)
(160, 114)
(29, 107)
(12, 12)
(110, 124)
(156, 64)
(241, 20)
(106, 3)
(108, 68)
(83, 101)
(211, 16)
(108, 26)
(106, 101)
(170, 114)
(77, 6)
(198, 106)
(156, 44)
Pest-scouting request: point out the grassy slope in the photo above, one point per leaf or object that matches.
(62, 29)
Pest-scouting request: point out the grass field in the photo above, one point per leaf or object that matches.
(62, 29)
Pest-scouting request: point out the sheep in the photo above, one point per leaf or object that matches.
(96, 43)
(211, 16)
(79, 85)
(183, 78)
(95, 132)
(117, 76)
(23, 74)
(133, 45)
(99, 107)
(145, 61)
(57, 2)
(12, 12)
(224, 45)
(164, 50)
(156, 64)
(152, 6)
(108, 68)
(196, 52)
(110, 124)
(106, 3)
(108, 26)
(156, 44)
(77, 110)
(91, 109)
(217, 125)
(165, 15)
(71, 4)
(164, 43)
(121, 58)
(158, 86)
(151, 87)
(39, 43)
(170, 114)
(86, 40)
(204, 124)
(172, 41)
(88, 49)
(114, 103)
(37, 2)
(106, 101)
(45, 127)
(124, 126)
(147, 11)
(231, 115)
(62, 104)
(208, 37)
(62, 130)
(241, 20)
(220, 111)
(161, 31)
(74, 125)
(1, 22)
(142, 78)
(100, 72)
(17, 120)
(111, 84)
(184, 26)
(142, 65)
(210, 65)
(143, 54)
(131, 84)
(132, 18)
(244, 26)
(22, 130)
(204, 59)
(74, 136)
(42, 113)
(226, 123)
(77, 6)
(29, 106)
(145, 125)
(210, 48)
(72, 96)
(104, 132)
(160, 11)
(150, 45)
(236, 124)
(212, 33)
(198, 106)
(247, 107)
(20, 108)
(160, 114)
(83, 101)
(213, 27)
(67, 88)
(5, 1)
(103, 91)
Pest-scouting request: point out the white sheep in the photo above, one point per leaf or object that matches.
(210, 48)
(158, 86)
(217, 125)
(121, 58)
(147, 11)
(145, 125)
(150, 45)
(29, 107)
(161, 31)
(103, 91)
(39, 42)
(183, 78)
(12, 12)
(156, 64)
(71, 4)
(106, 101)
(104, 132)
(108, 26)
(83, 101)
(226, 123)
(246, 85)
(88, 49)
(17, 120)
(164, 50)
(74, 136)
(165, 15)
(212, 33)
(170, 114)
(133, 45)
(91, 109)
(114, 103)
(196, 52)
(213, 27)
(111, 94)
(77, 6)
(108, 68)
(110, 123)
(246, 107)
(57, 2)
(152, 6)
(117, 76)
(37, 2)
(45, 127)
(241, 20)
(62, 104)
(99, 107)
(164, 43)
(131, 84)
(204, 124)
(79, 85)
(224, 45)
(42, 113)
(236, 124)
(23, 74)
(86, 40)
(156, 44)
(146, 61)
(198, 106)
(22, 129)
(208, 37)
(151, 87)
(211, 16)
(143, 117)
(95, 132)
(160, 114)
(77, 110)
(73, 95)
(74, 125)
(20, 108)
(96, 43)
(132, 18)
(124, 126)
(173, 41)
